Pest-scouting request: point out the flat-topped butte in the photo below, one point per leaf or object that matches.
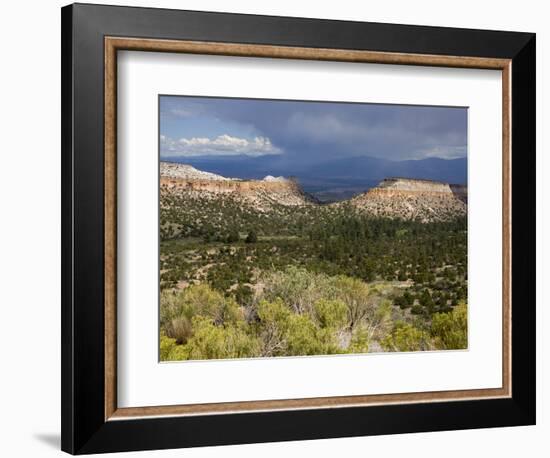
(395, 197)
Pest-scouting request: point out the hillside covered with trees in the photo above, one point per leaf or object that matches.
(286, 280)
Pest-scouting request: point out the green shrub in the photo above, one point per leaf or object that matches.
(243, 294)
(297, 287)
(302, 338)
(175, 316)
(406, 337)
(178, 308)
(300, 312)
(218, 342)
(284, 333)
(360, 340)
(355, 294)
(331, 314)
(252, 237)
(166, 346)
(273, 326)
(233, 237)
(450, 330)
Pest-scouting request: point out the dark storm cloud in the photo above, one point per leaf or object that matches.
(310, 130)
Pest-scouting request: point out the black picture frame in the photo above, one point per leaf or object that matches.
(84, 428)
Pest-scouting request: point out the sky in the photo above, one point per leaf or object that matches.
(308, 131)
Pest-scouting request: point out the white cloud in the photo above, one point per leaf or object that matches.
(444, 152)
(223, 145)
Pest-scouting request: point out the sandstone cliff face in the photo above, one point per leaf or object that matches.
(413, 186)
(404, 198)
(421, 200)
(262, 194)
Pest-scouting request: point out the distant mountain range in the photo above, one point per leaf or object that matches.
(333, 179)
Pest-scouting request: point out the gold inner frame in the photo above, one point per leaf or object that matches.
(114, 44)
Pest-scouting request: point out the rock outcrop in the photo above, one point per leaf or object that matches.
(405, 198)
(422, 200)
(186, 180)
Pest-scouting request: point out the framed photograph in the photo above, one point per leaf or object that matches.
(281, 228)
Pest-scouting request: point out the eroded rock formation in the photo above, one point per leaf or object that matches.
(178, 178)
(407, 198)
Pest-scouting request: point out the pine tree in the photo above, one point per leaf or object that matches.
(251, 237)
(233, 237)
